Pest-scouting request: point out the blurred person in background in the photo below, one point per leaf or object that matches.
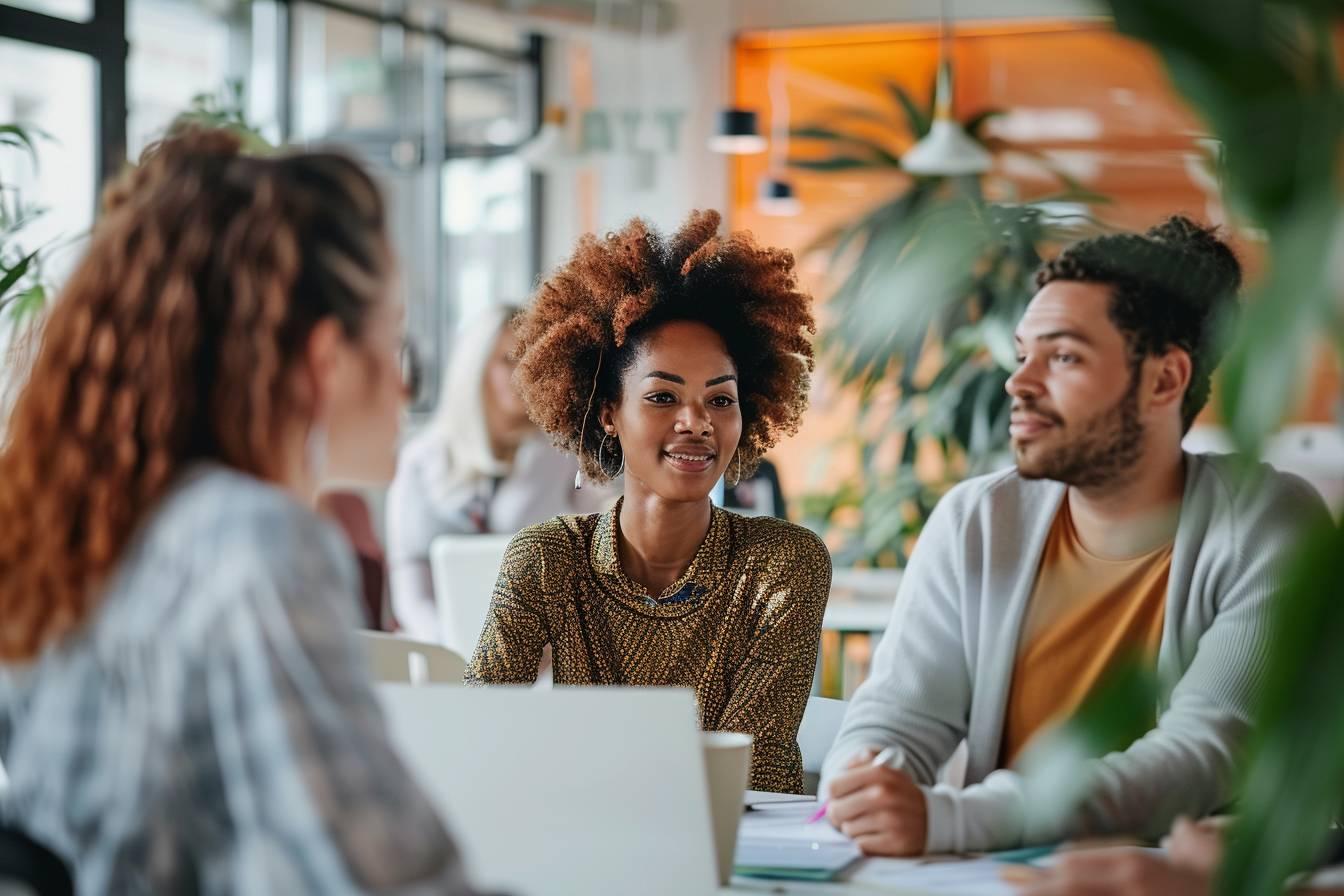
(183, 704)
(672, 360)
(349, 510)
(481, 466)
(759, 495)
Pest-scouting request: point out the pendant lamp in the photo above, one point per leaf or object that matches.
(946, 150)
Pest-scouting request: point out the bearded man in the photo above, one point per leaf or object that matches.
(1107, 542)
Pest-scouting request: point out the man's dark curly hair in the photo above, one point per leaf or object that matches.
(588, 321)
(1170, 286)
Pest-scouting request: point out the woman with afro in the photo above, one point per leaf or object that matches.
(670, 361)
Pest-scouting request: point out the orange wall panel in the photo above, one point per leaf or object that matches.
(1098, 105)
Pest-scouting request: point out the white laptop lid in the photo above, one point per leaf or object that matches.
(583, 791)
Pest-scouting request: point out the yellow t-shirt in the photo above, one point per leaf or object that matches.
(1085, 614)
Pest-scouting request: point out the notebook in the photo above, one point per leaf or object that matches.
(777, 841)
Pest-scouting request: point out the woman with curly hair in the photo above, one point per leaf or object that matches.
(183, 704)
(674, 361)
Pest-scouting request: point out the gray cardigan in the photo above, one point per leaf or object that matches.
(942, 672)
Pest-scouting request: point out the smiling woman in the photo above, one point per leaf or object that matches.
(670, 362)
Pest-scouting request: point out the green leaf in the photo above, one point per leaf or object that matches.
(837, 163)
(917, 120)
(998, 338)
(29, 303)
(1294, 786)
(861, 113)
(1264, 368)
(16, 273)
(1055, 767)
(22, 137)
(848, 141)
(977, 121)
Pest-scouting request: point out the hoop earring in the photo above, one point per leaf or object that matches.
(602, 450)
(737, 455)
(583, 428)
(315, 451)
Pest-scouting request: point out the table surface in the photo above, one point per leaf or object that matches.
(861, 599)
(945, 876)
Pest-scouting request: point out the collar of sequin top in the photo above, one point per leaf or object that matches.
(707, 569)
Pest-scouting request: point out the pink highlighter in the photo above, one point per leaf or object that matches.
(883, 758)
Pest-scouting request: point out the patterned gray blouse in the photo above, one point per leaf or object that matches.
(212, 729)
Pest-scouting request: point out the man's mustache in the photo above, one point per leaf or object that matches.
(1026, 407)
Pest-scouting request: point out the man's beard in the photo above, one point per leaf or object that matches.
(1095, 452)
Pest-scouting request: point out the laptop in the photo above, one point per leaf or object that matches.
(582, 791)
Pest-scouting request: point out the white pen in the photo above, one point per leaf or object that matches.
(885, 757)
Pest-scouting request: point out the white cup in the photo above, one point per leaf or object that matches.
(727, 770)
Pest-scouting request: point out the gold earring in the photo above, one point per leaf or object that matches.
(602, 450)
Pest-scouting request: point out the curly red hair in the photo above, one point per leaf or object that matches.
(584, 328)
(172, 342)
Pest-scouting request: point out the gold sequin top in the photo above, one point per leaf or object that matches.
(740, 627)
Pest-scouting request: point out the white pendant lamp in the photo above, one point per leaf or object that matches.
(946, 150)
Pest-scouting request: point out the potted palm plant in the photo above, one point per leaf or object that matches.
(931, 283)
(23, 291)
(1265, 78)
(23, 287)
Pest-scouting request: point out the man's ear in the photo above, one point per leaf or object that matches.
(1172, 379)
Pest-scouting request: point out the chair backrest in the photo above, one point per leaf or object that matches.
(1314, 451)
(821, 723)
(396, 659)
(27, 868)
(464, 568)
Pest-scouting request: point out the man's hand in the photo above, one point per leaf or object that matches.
(1116, 872)
(879, 808)
(1197, 845)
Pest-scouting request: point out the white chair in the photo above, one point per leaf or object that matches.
(396, 659)
(1314, 451)
(464, 569)
(821, 723)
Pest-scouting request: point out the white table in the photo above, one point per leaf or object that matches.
(970, 877)
(860, 604)
(861, 600)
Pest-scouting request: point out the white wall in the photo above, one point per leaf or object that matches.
(687, 70)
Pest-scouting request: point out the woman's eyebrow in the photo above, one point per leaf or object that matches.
(661, 375)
